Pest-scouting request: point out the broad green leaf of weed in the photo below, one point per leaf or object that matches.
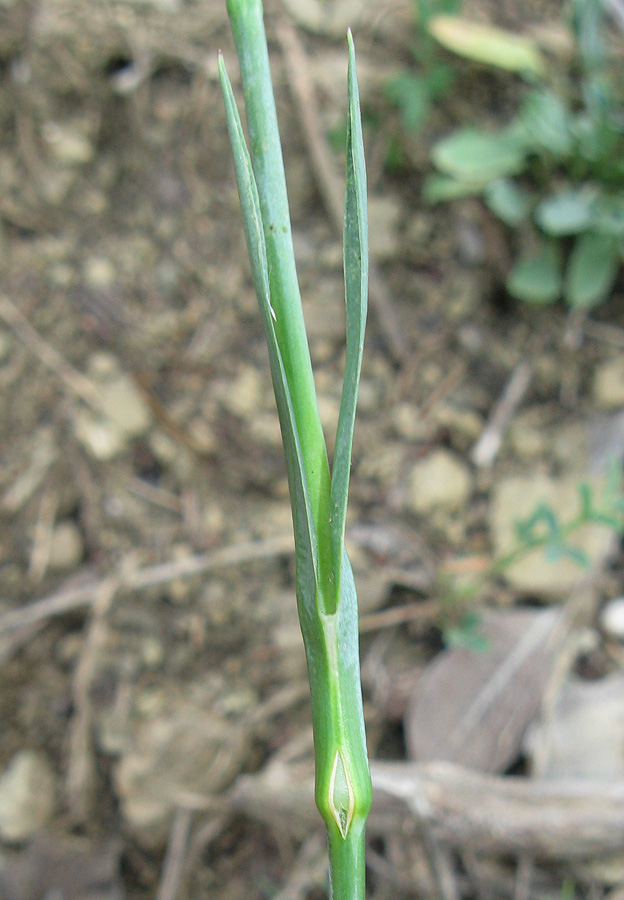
(537, 279)
(473, 155)
(508, 202)
(608, 216)
(487, 44)
(592, 269)
(569, 212)
(548, 123)
(439, 188)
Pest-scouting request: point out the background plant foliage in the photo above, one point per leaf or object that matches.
(558, 165)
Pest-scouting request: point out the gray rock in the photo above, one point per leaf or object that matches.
(27, 796)
(585, 735)
(100, 437)
(66, 547)
(124, 406)
(612, 619)
(440, 481)
(608, 384)
(174, 755)
(516, 499)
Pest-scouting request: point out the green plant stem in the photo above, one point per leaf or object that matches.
(246, 17)
(326, 596)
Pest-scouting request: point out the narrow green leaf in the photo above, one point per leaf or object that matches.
(305, 535)
(411, 95)
(356, 302)
(569, 212)
(592, 270)
(472, 155)
(507, 201)
(537, 279)
(246, 18)
(487, 44)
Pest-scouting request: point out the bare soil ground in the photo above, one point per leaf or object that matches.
(154, 722)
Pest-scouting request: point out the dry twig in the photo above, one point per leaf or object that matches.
(174, 864)
(80, 780)
(77, 596)
(486, 449)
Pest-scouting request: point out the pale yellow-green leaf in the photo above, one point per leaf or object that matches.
(487, 44)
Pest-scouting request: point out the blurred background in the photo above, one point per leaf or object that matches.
(155, 735)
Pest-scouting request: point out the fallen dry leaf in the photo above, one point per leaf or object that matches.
(472, 708)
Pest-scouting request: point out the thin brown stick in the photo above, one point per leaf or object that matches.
(309, 871)
(173, 866)
(486, 449)
(73, 380)
(78, 596)
(552, 821)
(80, 780)
(398, 615)
(331, 187)
(42, 537)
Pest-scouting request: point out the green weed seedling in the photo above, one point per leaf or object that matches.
(326, 597)
(543, 530)
(558, 165)
(430, 77)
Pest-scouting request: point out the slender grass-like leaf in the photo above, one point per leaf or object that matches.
(246, 17)
(356, 301)
(305, 535)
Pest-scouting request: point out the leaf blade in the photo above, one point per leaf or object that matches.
(356, 294)
(303, 523)
(592, 270)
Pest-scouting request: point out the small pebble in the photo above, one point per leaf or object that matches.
(125, 407)
(608, 386)
(612, 619)
(66, 546)
(102, 439)
(27, 796)
(440, 481)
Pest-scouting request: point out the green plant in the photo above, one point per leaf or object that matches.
(415, 90)
(326, 596)
(558, 164)
(542, 530)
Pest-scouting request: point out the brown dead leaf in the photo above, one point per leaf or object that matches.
(472, 708)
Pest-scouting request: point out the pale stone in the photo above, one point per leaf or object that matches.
(125, 407)
(244, 395)
(612, 619)
(175, 755)
(516, 499)
(102, 365)
(66, 546)
(441, 481)
(584, 735)
(608, 384)
(99, 273)
(102, 439)
(408, 422)
(68, 144)
(27, 796)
